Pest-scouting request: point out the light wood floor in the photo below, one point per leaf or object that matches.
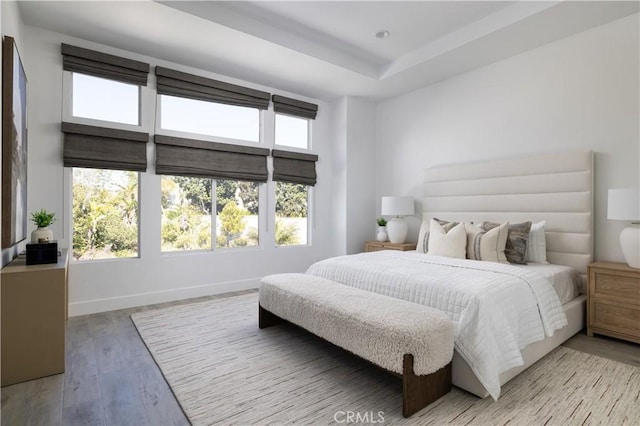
(111, 379)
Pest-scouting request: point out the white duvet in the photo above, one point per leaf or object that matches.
(498, 308)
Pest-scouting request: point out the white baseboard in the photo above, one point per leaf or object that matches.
(87, 307)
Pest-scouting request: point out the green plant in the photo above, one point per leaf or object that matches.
(381, 221)
(286, 233)
(42, 218)
(232, 221)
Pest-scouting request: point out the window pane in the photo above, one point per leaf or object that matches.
(186, 213)
(236, 213)
(291, 214)
(209, 118)
(104, 99)
(105, 214)
(292, 131)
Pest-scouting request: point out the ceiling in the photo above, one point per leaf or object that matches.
(326, 49)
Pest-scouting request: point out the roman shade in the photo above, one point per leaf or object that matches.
(294, 167)
(190, 157)
(294, 107)
(98, 64)
(177, 83)
(103, 148)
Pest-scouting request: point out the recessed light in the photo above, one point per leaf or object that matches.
(382, 34)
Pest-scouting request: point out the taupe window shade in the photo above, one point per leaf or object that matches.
(177, 83)
(189, 157)
(294, 167)
(98, 64)
(294, 107)
(103, 148)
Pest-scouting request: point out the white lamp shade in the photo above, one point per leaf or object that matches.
(397, 206)
(624, 204)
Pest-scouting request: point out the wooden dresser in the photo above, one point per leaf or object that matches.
(614, 301)
(34, 319)
(386, 245)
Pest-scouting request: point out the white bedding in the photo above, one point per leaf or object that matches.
(564, 279)
(498, 308)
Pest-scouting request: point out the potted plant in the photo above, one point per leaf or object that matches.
(382, 229)
(42, 219)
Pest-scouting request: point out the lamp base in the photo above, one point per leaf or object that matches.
(397, 230)
(630, 244)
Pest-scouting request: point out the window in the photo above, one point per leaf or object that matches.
(292, 131)
(237, 213)
(186, 213)
(291, 214)
(105, 214)
(209, 118)
(108, 100)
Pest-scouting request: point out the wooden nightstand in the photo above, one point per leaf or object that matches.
(613, 301)
(373, 245)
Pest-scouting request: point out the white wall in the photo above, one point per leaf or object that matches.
(353, 174)
(102, 285)
(361, 173)
(339, 175)
(579, 92)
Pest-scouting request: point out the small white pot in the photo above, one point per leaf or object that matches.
(382, 234)
(42, 234)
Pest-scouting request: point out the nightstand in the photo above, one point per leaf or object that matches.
(373, 245)
(613, 301)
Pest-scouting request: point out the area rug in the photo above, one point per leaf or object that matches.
(224, 370)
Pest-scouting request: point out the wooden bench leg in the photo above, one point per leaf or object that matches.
(266, 318)
(420, 391)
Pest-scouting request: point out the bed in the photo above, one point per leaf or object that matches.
(554, 187)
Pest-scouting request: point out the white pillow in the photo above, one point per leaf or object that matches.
(537, 244)
(448, 244)
(487, 245)
(423, 236)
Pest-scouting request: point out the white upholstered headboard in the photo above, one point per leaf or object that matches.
(555, 187)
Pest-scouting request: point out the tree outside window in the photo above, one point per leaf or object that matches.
(105, 214)
(291, 214)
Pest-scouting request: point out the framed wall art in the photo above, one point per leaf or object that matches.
(14, 145)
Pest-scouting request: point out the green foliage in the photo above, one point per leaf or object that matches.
(196, 190)
(42, 218)
(232, 222)
(105, 214)
(291, 199)
(186, 214)
(286, 233)
(381, 221)
(241, 192)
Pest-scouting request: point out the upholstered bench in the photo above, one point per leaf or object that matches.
(405, 338)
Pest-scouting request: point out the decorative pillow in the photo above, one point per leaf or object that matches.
(448, 244)
(537, 244)
(516, 248)
(423, 235)
(487, 245)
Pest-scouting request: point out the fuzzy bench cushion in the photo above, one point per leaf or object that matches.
(378, 328)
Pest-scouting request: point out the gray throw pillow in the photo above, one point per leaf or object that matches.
(516, 248)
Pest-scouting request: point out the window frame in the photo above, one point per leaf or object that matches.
(67, 106)
(68, 178)
(158, 129)
(309, 149)
(310, 218)
(214, 222)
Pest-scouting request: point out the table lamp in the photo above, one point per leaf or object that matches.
(624, 204)
(397, 206)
